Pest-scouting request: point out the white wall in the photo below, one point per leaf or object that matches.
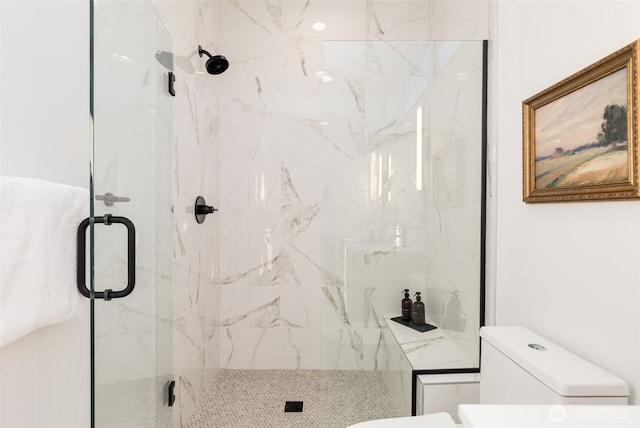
(44, 129)
(45, 108)
(568, 271)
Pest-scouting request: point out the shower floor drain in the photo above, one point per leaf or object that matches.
(293, 406)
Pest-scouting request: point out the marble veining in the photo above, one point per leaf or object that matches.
(329, 278)
(414, 346)
(294, 346)
(267, 315)
(318, 128)
(380, 352)
(303, 64)
(180, 328)
(357, 135)
(287, 269)
(371, 315)
(356, 86)
(434, 349)
(350, 344)
(373, 23)
(296, 215)
(238, 6)
(188, 395)
(378, 138)
(268, 273)
(373, 64)
(258, 88)
(335, 296)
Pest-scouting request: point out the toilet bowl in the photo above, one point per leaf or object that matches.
(520, 416)
(541, 416)
(519, 367)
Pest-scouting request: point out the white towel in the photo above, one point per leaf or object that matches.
(38, 227)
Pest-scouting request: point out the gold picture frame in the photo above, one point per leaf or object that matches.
(580, 136)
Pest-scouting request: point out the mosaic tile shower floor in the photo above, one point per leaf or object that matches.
(133, 404)
(332, 399)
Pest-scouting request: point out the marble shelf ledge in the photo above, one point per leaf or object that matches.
(431, 350)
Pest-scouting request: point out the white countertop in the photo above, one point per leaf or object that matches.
(429, 350)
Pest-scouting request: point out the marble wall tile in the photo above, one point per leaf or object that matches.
(338, 308)
(353, 349)
(302, 270)
(250, 306)
(299, 307)
(310, 124)
(392, 20)
(249, 348)
(301, 348)
(459, 20)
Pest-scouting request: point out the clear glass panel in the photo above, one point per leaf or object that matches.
(407, 199)
(416, 203)
(346, 181)
(133, 133)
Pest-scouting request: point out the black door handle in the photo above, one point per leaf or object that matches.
(108, 294)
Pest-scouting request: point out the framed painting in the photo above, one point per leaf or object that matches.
(580, 136)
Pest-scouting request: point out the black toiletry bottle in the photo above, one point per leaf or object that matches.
(406, 306)
(418, 310)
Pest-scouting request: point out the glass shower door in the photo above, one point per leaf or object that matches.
(130, 229)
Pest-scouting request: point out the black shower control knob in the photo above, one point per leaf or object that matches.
(201, 209)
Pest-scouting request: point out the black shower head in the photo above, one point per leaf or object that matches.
(216, 64)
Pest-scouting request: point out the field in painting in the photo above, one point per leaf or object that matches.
(594, 166)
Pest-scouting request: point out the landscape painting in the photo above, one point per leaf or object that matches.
(579, 141)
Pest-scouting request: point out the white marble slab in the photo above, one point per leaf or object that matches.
(433, 349)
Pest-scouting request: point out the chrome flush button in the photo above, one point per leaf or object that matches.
(537, 347)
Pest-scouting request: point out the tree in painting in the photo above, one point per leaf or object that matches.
(614, 126)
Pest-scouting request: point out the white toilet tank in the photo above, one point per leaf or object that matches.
(518, 366)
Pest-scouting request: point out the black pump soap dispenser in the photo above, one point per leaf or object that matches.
(406, 306)
(418, 311)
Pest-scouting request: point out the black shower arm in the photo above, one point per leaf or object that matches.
(202, 51)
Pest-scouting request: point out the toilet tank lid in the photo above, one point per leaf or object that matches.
(564, 372)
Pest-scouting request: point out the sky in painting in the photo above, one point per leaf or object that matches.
(575, 119)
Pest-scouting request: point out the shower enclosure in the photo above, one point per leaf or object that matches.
(345, 168)
(347, 164)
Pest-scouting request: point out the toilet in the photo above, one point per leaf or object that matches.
(519, 367)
